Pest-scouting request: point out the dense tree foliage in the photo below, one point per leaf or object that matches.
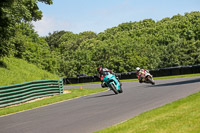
(12, 13)
(148, 44)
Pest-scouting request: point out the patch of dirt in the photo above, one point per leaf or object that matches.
(66, 91)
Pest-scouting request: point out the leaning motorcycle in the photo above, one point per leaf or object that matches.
(112, 82)
(147, 77)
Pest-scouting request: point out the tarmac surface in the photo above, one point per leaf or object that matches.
(97, 111)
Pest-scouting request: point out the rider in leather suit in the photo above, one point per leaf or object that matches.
(101, 72)
(139, 71)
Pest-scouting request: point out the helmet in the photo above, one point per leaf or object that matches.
(99, 69)
(137, 69)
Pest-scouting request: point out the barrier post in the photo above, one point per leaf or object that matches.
(61, 86)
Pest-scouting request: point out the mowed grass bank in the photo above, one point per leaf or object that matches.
(182, 116)
(14, 71)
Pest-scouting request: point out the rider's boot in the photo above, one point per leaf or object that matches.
(103, 84)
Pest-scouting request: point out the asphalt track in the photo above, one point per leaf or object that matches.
(94, 112)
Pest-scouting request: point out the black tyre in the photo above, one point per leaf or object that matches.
(151, 81)
(114, 88)
(120, 91)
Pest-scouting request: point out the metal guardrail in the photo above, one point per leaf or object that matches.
(18, 93)
(169, 71)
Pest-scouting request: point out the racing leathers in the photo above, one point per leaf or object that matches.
(103, 74)
(140, 78)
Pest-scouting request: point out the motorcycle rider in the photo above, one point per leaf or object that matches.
(138, 72)
(102, 72)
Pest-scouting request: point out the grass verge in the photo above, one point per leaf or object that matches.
(181, 116)
(53, 99)
(15, 71)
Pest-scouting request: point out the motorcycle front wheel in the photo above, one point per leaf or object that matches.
(120, 91)
(113, 87)
(151, 80)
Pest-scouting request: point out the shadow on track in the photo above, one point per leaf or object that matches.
(106, 95)
(178, 83)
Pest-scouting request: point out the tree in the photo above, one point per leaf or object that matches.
(54, 39)
(14, 12)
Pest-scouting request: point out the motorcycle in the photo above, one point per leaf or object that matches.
(147, 77)
(112, 82)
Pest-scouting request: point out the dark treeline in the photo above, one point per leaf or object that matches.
(148, 44)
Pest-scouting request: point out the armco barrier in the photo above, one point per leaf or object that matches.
(186, 70)
(124, 76)
(81, 79)
(175, 70)
(85, 79)
(96, 78)
(164, 72)
(196, 68)
(178, 70)
(72, 80)
(155, 72)
(128, 75)
(23, 92)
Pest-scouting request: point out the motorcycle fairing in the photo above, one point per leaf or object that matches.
(109, 79)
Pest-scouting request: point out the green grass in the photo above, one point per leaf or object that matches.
(14, 71)
(182, 116)
(50, 100)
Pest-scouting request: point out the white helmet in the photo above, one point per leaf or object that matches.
(138, 69)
